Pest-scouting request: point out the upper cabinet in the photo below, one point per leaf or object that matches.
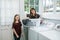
(48, 5)
(51, 9)
(51, 5)
(57, 5)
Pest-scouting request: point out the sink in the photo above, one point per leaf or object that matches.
(44, 27)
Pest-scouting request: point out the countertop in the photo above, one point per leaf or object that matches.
(47, 32)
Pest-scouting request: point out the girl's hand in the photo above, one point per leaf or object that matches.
(17, 36)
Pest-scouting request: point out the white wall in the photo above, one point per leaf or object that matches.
(8, 8)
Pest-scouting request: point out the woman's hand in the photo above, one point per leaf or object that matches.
(22, 34)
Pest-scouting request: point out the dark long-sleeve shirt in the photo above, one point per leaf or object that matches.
(33, 17)
(17, 27)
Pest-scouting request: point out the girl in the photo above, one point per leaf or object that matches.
(17, 27)
(33, 13)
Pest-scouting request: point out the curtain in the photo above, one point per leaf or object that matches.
(8, 8)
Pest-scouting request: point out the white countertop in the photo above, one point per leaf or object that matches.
(49, 33)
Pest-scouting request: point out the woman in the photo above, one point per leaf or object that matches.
(17, 27)
(33, 13)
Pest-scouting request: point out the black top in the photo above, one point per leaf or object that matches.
(32, 17)
(17, 27)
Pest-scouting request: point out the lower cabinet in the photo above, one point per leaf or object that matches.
(0, 35)
(33, 35)
(41, 37)
(26, 33)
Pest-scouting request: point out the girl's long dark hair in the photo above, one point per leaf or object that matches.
(31, 10)
(15, 19)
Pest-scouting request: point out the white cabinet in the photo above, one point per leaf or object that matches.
(33, 35)
(0, 35)
(41, 37)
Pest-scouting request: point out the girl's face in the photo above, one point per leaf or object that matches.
(17, 18)
(33, 11)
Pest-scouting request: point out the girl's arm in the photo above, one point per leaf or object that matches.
(15, 33)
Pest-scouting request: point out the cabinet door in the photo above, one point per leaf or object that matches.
(33, 35)
(0, 35)
(6, 35)
(41, 37)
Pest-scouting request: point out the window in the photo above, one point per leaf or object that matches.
(31, 4)
(51, 5)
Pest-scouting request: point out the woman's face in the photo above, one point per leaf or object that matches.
(33, 11)
(17, 18)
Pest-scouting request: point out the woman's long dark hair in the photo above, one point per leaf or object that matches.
(15, 19)
(31, 10)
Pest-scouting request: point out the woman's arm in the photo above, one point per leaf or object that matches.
(15, 33)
